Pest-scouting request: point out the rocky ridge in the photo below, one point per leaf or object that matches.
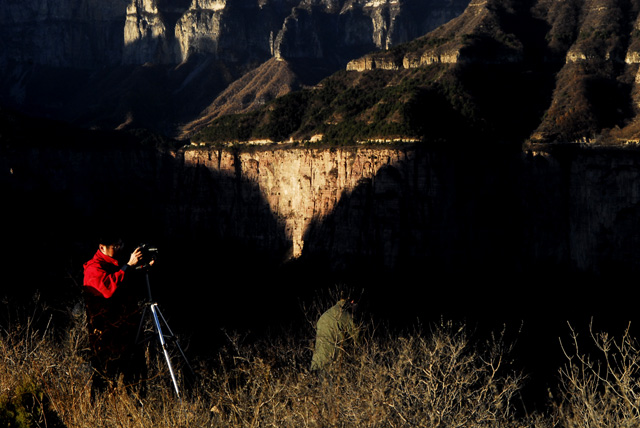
(589, 49)
(449, 43)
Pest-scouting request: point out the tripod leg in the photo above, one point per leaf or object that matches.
(164, 348)
(184, 357)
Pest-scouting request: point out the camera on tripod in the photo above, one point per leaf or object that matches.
(149, 255)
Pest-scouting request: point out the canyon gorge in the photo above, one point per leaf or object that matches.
(518, 202)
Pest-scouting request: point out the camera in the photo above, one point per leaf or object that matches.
(149, 254)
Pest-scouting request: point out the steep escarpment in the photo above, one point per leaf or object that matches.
(409, 206)
(479, 34)
(351, 209)
(595, 87)
(301, 186)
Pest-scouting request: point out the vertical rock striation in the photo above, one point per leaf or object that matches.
(300, 186)
(412, 207)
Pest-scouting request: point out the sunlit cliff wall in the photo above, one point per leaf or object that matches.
(396, 205)
(388, 207)
(302, 187)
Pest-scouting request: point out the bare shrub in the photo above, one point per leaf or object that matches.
(414, 380)
(601, 391)
(437, 379)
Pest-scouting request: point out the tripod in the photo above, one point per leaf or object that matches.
(158, 322)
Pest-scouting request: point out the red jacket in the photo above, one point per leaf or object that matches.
(103, 275)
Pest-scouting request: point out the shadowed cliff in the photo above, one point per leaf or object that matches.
(62, 188)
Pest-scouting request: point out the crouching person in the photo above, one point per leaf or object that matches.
(336, 331)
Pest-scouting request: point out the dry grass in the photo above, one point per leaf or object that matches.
(438, 378)
(46, 381)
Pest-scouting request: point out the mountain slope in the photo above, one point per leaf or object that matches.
(594, 96)
(269, 80)
(503, 71)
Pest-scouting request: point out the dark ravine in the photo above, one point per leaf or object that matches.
(484, 233)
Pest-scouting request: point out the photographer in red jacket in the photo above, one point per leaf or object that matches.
(112, 307)
(103, 274)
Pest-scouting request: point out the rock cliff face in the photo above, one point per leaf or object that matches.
(147, 37)
(403, 206)
(331, 30)
(361, 26)
(447, 44)
(301, 187)
(588, 49)
(384, 210)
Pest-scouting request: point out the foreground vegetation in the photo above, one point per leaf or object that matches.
(434, 379)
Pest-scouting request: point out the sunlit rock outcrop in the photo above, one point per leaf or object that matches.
(198, 30)
(145, 34)
(458, 40)
(300, 186)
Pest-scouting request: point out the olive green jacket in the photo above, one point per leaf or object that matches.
(334, 328)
